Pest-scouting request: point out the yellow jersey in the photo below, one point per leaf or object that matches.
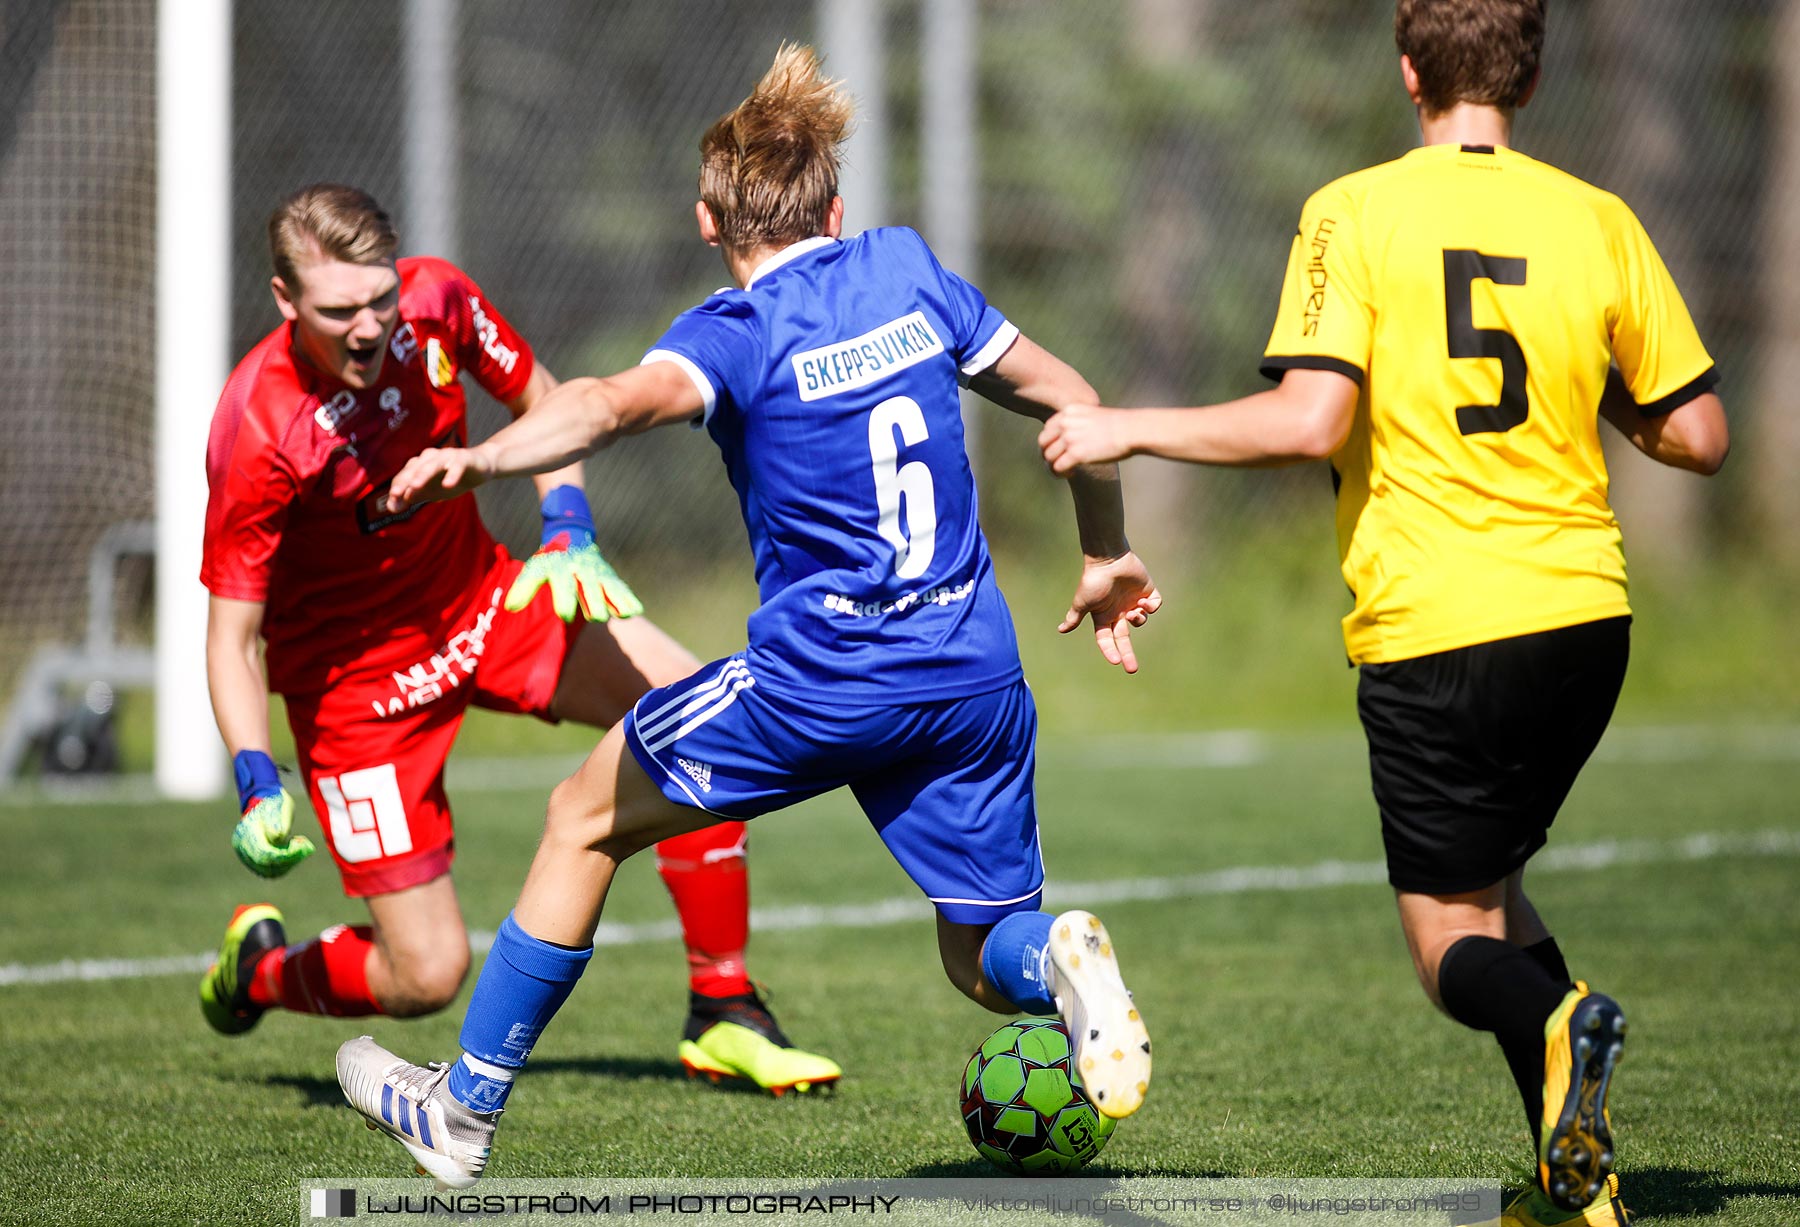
(1479, 298)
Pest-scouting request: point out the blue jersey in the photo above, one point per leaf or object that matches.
(831, 388)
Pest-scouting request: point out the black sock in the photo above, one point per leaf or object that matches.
(1491, 985)
(1549, 956)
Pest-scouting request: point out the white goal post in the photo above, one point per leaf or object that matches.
(193, 331)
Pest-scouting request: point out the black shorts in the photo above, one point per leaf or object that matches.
(1472, 751)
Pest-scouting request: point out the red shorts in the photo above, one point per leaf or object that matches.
(372, 748)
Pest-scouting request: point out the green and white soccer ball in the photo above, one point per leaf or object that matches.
(1023, 1103)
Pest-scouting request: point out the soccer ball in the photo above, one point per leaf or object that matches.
(1023, 1103)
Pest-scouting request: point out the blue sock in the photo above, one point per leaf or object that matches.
(1013, 960)
(523, 984)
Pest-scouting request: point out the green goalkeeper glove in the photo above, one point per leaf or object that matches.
(579, 578)
(264, 838)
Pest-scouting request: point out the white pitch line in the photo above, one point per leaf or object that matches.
(1236, 881)
(1226, 749)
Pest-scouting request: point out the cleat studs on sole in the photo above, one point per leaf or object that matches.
(1118, 1055)
(1064, 933)
(1093, 922)
(1584, 1048)
(1105, 950)
(1556, 1154)
(1093, 1033)
(1132, 1015)
(1143, 1088)
(1074, 960)
(1594, 1022)
(1145, 1046)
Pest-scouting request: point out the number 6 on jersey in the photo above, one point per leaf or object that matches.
(909, 484)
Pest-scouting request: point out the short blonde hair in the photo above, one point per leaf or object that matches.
(769, 167)
(340, 222)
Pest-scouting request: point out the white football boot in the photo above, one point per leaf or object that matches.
(1112, 1046)
(412, 1104)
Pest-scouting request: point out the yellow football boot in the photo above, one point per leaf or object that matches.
(1533, 1209)
(255, 929)
(737, 1037)
(1583, 1041)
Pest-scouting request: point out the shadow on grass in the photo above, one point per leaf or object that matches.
(630, 1069)
(1658, 1192)
(641, 1069)
(317, 1092)
(325, 1093)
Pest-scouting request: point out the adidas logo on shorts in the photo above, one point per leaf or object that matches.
(700, 773)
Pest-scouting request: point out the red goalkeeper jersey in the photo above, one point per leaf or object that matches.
(298, 465)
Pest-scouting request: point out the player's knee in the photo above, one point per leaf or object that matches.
(1428, 984)
(1428, 960)
(967, 979)
(984, 995)
(576, 821)
(425, 985)
(572, 819)
(959, 968)
(959, 950)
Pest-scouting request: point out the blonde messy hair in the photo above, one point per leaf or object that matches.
(769, 167)
(339, 222)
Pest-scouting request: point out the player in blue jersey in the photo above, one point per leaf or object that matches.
(882, 655)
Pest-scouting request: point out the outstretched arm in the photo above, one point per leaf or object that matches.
(568, 560)
(536, 389)
(1115, 589)
(1307, 416)
(573, 420)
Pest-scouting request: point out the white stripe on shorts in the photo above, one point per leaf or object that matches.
(990, 902)
(698, 707)
(678, 708)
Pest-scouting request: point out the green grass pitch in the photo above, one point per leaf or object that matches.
(1291, 1039)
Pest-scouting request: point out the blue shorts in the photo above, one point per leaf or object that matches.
(946, 784)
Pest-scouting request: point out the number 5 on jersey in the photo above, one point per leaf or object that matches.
(1461, 270)
(906, 487)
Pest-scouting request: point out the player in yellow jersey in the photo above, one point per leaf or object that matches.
(1452, 327)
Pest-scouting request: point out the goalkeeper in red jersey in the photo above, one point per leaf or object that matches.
(381, 629)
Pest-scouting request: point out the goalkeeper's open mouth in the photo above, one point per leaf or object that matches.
(364, 359)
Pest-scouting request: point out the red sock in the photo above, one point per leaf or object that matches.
(708, 878)
(327, 975)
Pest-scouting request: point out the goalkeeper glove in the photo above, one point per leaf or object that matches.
(570, 563)
(263, 839)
